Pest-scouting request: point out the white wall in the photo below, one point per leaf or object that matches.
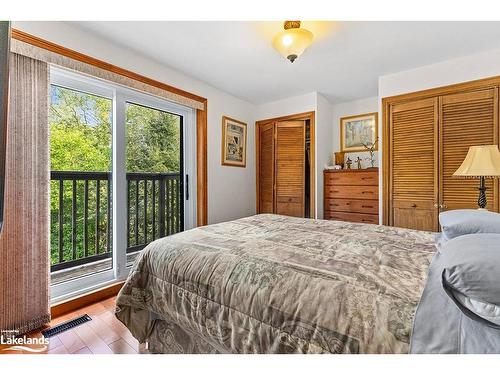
(463, 69)
(288, 106)
(324, 150)
(231, 190)
(356, 107)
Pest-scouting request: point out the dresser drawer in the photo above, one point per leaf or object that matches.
(352, 217)
(352, 192)
(352, 205)
(351, 178)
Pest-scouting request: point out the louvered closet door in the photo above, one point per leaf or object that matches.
(290, 168)
(466, 119)
(266, 168)
(414, 188)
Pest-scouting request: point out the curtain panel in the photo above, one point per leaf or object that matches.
(24, 241)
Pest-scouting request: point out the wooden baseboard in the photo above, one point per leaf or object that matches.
(72, 304)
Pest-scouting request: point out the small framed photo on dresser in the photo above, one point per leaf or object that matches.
(234, 142)
(358, 131)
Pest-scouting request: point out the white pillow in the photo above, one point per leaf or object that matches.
(485, 310)
(471, 275)
(457, 223)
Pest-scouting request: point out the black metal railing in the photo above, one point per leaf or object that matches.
(81, 219)
(154, 207)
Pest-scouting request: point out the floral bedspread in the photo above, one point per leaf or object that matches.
(276, 284)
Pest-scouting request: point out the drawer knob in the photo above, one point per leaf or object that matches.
(414, 205)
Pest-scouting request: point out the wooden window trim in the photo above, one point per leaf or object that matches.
(86, 299)
(485, 83)
(298, 116)
(201, 115)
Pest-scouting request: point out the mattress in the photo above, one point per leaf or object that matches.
(277, 284)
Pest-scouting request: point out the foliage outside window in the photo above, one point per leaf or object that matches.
(81, 140)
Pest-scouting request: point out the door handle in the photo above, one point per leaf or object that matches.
(440, 205)
(187, 187)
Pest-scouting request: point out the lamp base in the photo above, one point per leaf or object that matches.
(481, 201)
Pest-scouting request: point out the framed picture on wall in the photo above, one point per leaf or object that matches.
(234, 142)
(357, 131)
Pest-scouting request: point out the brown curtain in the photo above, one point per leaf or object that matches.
(24, 241)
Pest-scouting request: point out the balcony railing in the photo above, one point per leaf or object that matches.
(81, 206)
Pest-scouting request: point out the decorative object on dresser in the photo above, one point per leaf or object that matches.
(358, 162)
(356, 131)
(348, 163)
(351, 195)
(371, 147)
(482, 162)
(234, 142)
(338, 158)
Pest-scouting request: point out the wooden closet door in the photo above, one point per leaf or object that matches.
(414, 164)
(266, 168)
(290, 168)
(466, 119)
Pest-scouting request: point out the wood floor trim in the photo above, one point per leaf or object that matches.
(87, 299)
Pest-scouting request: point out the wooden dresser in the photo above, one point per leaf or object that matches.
(351, 195)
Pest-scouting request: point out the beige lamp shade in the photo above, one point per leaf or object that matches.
(481, 161)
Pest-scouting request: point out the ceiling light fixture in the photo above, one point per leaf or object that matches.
(293, 40)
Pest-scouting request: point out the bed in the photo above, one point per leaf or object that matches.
(277, 284)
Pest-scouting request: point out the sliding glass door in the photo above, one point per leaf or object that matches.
(80, 120)
(155, 185)
(121, 162)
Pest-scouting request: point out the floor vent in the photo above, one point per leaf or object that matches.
(66, 326)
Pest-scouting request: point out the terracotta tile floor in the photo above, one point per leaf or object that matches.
(103, 335)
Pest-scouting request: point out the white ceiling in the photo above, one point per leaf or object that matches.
(343, 63)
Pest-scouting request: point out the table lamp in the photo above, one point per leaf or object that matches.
(481, 162)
